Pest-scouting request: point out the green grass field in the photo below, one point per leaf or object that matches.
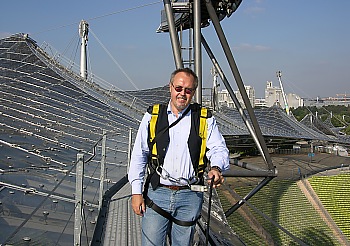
(284, 203)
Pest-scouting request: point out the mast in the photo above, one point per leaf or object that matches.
(83, 32)
(279, 75)
(78, 221)
(215, 99)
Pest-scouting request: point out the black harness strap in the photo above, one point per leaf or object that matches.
(148, 201)
(167, 215)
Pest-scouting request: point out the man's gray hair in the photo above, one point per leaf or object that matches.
(188, 71)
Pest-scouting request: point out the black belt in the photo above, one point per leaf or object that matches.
(174, 187)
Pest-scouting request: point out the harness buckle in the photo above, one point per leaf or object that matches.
(150, 203)
(199, 188)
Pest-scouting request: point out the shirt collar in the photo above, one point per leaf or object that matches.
(180, 113)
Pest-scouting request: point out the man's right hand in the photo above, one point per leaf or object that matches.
(138, 204)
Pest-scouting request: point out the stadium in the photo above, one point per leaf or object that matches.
(65, 144)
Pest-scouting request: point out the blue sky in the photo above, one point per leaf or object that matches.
(309, 41)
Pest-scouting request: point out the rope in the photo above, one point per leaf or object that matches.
(86, 233)
(114, 60)
(67, 222)
(99, 17)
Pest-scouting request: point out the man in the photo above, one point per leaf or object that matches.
(168, 142)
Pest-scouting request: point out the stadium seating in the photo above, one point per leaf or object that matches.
(334, 193)
(284, 203)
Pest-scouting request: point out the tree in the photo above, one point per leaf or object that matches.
(347, 130)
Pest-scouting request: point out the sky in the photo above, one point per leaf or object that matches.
(309, 41)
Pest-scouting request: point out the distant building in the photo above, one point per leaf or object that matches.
(273, 95)
(224, 97)
(340, 99)
(260, 102)
(294, 101)
(251, 95)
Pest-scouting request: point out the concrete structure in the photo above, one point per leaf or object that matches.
(273, 95)
(294, 101)
(225, 99)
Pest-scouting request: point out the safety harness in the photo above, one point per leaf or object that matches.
(158, 142)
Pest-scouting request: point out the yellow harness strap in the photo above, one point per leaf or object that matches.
(152, 127)
(203, 133)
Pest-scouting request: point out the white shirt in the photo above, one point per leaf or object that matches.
(177, 160)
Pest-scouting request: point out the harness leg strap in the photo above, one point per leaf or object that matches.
(167, 215)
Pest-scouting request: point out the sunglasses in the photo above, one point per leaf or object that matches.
(180, 88)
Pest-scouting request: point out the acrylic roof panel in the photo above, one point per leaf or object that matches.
(47, 118)
(275, 122)
(316, 124)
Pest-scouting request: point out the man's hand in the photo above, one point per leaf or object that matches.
(138, 204)
(218, 179)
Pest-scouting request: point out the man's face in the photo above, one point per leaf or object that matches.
(181, 91)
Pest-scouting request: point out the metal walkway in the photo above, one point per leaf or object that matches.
(123, 227)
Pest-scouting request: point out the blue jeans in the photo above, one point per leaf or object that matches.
(184, 205)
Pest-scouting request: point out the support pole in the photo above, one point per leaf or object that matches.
(173, 34)
(83, 32)
(214, 97)
(232, 94)
(197, 48)
(261, 143)
(102, 172)
(129, 149)
(78, 199)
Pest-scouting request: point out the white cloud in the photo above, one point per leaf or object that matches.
(255, 7)
(254, 10)
(250, 47)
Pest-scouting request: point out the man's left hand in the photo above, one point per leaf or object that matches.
(218, 179)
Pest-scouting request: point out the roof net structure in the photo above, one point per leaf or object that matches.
(326, 128)
(49, 115)
(277, 127)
